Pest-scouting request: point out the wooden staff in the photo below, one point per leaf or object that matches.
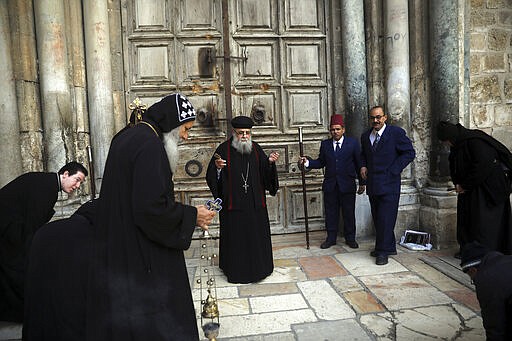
(91, 173)
(303, 173)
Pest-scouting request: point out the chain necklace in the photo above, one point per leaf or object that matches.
(245, 185)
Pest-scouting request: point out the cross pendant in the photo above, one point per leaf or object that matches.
(245, 186)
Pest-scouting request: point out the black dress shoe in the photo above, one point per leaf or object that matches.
(374, 253)
(381, 260)
(327, 244)
(352, 244)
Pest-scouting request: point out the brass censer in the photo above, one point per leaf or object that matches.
(210, 309)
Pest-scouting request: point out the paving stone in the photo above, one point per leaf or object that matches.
(285, 262)
(362, 264)
(268, 289)
(301, 251)
(325, 301)
(220, 293)
(265, 323)
(10, 330)
(464, 311)
(381, 326)
(466, 297)
(229, 307)
(436, 278)
(277, 303)
(430, 322)
(284, 275)
(363, 302)
(404, 290)
(330, 331)
(321, 267)
(265, 337)
(346, 283)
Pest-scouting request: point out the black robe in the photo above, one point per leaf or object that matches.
(138, 281)
(483, 210)
(245, 247)
(494, 291)
(26, 204)
(57, 274)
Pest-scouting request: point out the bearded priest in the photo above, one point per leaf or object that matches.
(239, 173)
(138, 286)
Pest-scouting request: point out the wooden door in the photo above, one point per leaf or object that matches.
(279, 70)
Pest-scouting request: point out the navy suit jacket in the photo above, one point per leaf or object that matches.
(385, 164)
(342, 168)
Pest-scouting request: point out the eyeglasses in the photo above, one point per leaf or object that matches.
(243, 132)
(377, 117)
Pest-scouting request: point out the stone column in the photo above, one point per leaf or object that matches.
(396, 55)
(23, 44)
(55, 83)
(438, 214)
(116, 49)
(354, 71)
(444, 70)
(78, 85)
(374, 57)
(397, 80)
(420, 88)
(99, 82)
(10, 153)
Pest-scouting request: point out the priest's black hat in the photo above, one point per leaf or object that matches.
(243, 122)
(171, 112)
(472, 254)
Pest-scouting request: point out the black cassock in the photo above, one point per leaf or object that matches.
(138, 282)
(245, 247)
(483, 210)
(26, 204)
(57, 274)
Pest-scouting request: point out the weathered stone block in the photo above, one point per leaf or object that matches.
(477, 3)
(504, 135)
(482, 116)
(494, 62)
(474, 63)
(503, 115)
(507, 90)
(478, 41)
(497, 39)
(482, 19)
(494, 4)
(485, 90)
(505, 18)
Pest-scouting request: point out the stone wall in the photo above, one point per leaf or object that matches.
(491, 68)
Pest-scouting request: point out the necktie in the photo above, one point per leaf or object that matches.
(337, 147)
(377, 139)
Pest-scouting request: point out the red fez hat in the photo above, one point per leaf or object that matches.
(337, 119)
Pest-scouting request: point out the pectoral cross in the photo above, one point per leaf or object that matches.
(245, 186)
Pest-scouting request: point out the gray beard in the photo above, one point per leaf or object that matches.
(171, 141)
(242, 147)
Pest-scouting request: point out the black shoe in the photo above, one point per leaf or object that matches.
(374, 253)
(457, 255)
(381, 260)
(327, 244)
(352, 244)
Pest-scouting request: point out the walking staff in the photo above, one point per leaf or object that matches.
(303, 174)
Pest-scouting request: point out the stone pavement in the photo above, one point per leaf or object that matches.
(340, 294)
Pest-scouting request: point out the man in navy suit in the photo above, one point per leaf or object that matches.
(340, 155)
(386, 151)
